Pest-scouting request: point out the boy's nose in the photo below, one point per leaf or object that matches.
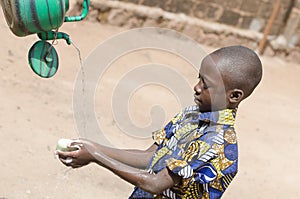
(197, 88)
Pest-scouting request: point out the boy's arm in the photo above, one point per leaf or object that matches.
(132, 157)
(153, 183)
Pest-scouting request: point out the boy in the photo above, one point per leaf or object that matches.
(195, 155)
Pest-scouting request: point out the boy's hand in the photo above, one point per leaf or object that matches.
(80, 157)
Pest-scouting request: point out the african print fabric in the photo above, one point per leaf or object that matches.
(199, 147)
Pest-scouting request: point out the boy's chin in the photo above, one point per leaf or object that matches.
(203, 109)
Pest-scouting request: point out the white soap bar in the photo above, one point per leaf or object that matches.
(64, 145)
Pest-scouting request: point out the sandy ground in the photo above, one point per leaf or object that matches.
(35, 113)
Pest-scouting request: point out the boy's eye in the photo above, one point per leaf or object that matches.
(205, 86)
(203, 82)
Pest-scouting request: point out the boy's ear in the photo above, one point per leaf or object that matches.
(235, 96)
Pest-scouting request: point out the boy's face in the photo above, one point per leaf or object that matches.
(210, 94)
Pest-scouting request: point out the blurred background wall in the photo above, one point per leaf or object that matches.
(212, 22)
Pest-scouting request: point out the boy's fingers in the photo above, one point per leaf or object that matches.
(84, 141)
(76, 166)
(65, 155)
(66, 161)
(70, 163)
(77, 144)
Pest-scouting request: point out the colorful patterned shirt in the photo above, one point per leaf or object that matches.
(201, 148)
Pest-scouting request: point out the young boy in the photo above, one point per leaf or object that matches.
(195, 155)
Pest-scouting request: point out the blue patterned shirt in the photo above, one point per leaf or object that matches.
(201, 148)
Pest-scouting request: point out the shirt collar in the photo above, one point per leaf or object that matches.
(225, 117)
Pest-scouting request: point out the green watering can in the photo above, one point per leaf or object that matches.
(41, 17)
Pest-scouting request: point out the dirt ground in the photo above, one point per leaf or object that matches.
(35, 113)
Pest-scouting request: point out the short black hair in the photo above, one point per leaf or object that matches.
(240, 68)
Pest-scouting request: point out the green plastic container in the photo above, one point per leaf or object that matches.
(26, 17)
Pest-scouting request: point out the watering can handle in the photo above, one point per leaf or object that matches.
(85, 6)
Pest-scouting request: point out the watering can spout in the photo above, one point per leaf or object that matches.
(42, 17)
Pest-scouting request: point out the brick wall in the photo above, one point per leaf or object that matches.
(210, 22)
(292, 29)
(246, 14)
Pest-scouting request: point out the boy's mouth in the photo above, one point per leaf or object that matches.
(196, 99)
